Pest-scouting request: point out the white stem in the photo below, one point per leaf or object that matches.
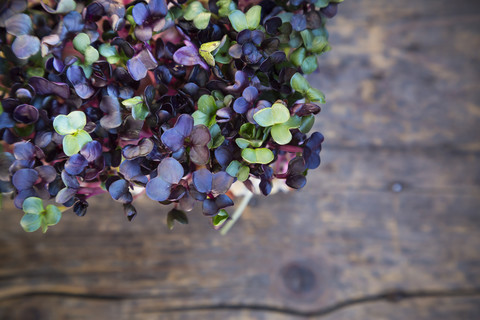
(236, 214)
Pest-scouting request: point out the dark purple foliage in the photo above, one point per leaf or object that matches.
(168, 106)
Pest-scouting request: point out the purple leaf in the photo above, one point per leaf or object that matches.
(24, 179)
(202, 180)
(157, 189)
(170, 170)
(221, 182)
(75, 164)
(112, 118)
(76, 76)
(92, 150)
(44, 87)
(158, 7)
(188, 56)
(140, 13)
(25, 46)
(26, 114)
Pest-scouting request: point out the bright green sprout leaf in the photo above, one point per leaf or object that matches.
(206, 50)
(220, 218)
(81, 42)
(140, 111)
(281, 132)
(242, 143)
(31, 222)
(52, 215)
(132, 101)
(201, 21)
(83, 137)
(243, 173)
(193, 10)
(253, 17)
(66, 6)
(107, 50)
(267, 117)
(260, 155)
(33, 205)
(238, 20)
(70, 145)
(91, 55)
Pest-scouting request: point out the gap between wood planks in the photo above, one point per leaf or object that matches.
(387, 296)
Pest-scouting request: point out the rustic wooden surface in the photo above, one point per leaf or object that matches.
(387, 228)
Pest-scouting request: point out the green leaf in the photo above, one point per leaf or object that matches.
(33, 205)
(66, 6)
(132, 101)
(77, 120)
(319, 44)
(233, 168)
(225, 7)
(242, 143)
(201, 21)
(70, 145)
(31, 222)
(206, 104)
(176, 215)
(61, 124)
(238, 20)
(307, 37)
(113, 59)
(217, 137)
(107, 50)
(206, 50)
(140, 111)
(299, 83)
(83, 137)
(253, 17)
(321, 3)
(260, 155)
(200, 118)
(52, 215)
(193, 10)
(309, 64)
(87, 70)
(243, 173)
(281, 134)
(267, 117)
(315, 95)
(91, 55)
(81, 42)
(247, 130)
(307, 123)
(220, 218)
(298, 56)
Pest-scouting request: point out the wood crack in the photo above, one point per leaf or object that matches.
(388, 296)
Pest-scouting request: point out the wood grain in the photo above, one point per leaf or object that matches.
(387, 228)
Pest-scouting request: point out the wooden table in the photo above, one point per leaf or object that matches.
(387, 228)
